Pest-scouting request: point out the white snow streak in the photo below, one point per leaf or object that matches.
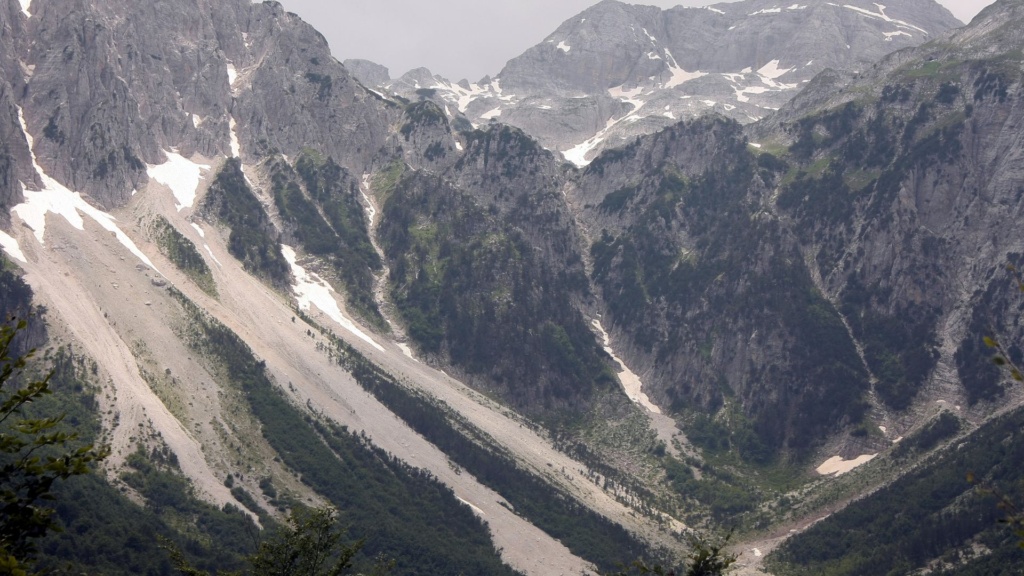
(881, 15)
(181, 175)
(210, 252)
(310, 289)
(491, 114)
(478, 511)
(56, 198)
(236, 148)
(10, 245)
(25, 5)
(714, 10)
(889, 35)
(202, 235)
(371, 210)
(631, 383)
(564, 47)
(232, 74)
(767, 11)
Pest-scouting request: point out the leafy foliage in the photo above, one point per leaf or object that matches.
(253, 238)
(35, 452)
(310, 545)
(473, 287)
(584, 532)
(700, 265)
(402, 512)
(930, 513)
(319, 204)
(706, 558)
(182, 252)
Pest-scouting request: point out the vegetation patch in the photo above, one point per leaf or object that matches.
(253, 240)
(182, 252)
(401, 512)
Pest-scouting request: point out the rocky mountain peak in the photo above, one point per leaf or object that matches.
(616, 71)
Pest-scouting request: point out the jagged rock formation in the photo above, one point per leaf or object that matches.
(617, 71)
(817, 278)
(208, 73)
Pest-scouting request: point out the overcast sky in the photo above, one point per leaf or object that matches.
(461, 38)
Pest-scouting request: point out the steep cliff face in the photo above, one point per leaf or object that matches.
(852, 254)
(486, 271)
(925, 192)
(110, 86)
(712, 293)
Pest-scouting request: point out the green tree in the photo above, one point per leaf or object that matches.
(1014, 511)
(310, 545)
(706, 558)
(35, 452)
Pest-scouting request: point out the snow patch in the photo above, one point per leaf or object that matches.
(679, 75)
(772, 71)
(11, 247)
(492, 114)
(766, 11)
(716, 10)
(199, 230)
(578, 154)
(708, 102)
(310, 289)
(631, 383)
(757, 553)
(755, 145)
(236, 148)
(210, 252)
(564, 47)
(371, 210)
(232, 74)
(181, 175)
(881, 15)
(741, 93)
(836, 465)
(889, 35)
(25, 5)
(797, 7)
(56, 198)
(406, 350)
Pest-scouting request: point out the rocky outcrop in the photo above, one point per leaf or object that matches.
(618, 71)
(111, 85)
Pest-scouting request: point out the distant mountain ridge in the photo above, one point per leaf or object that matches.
(616, 71)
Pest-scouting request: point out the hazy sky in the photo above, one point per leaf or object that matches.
(462, 38)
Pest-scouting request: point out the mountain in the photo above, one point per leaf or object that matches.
(267, 285)
(617, 71)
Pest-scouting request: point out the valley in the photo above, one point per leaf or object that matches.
(533, 324)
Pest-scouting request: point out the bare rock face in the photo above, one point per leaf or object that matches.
(618, 71)
(111, 85)
(369, 73)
